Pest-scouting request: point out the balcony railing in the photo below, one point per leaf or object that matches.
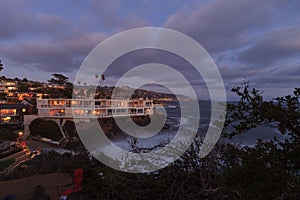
(64, 108)
(8, 114)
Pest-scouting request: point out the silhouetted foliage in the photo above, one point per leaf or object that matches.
(45, 128)
(6, 134)
(268, 170)
(58, 79)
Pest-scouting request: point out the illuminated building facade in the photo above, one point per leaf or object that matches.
(91, 108)
(12, 113)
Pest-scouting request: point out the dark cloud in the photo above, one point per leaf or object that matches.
(257, 41)
(292, 71)
(15, 15)
(109, 16)
(231, 73)
(252, 40)
(64, 53)
(139, 57)
(273, 47)
(49, 42)
(223, 25)
(49, 23)
(270, 81)
(105, 13)
(17, 20)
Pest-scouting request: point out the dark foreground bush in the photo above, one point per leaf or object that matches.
(269, 170)
(45, 128)
(6, 134)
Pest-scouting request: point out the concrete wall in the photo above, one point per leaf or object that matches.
(29, 118)
(27, 121)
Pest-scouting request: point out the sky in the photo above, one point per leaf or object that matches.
(253, 40)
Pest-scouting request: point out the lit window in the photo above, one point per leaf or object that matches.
(7, 118)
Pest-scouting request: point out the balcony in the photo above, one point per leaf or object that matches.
(93, 108)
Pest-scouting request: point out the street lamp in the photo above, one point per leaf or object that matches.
(20, 133)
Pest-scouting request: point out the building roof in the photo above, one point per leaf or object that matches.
(16, 105)
(27, 103)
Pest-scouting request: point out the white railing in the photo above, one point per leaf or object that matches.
(93, 108)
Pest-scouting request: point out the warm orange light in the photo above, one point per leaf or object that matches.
(20, 133)
(23, 109)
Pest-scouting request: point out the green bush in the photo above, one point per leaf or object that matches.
(12, 151)
(269, 170)
(5, 164)
(45, 128)
(6, 134)
(70, 129)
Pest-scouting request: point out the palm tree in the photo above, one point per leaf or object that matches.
(1, 66)
(96, 76)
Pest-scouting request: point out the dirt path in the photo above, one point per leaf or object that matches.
(22, 188)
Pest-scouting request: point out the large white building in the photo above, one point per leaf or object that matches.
(91, 108)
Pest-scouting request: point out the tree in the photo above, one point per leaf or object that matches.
(65, 92)
(252, 111)
(23, 87)
(96, 77)
(25, 80)
(269, 170)
(59, 79)
(1, 66)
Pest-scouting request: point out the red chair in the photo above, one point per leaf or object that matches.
(77, 177)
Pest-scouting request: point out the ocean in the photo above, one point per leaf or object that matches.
(173, 112)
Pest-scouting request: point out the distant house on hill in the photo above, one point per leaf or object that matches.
(12, 114)
(7, 89)
(8, 85)
(30, 107)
